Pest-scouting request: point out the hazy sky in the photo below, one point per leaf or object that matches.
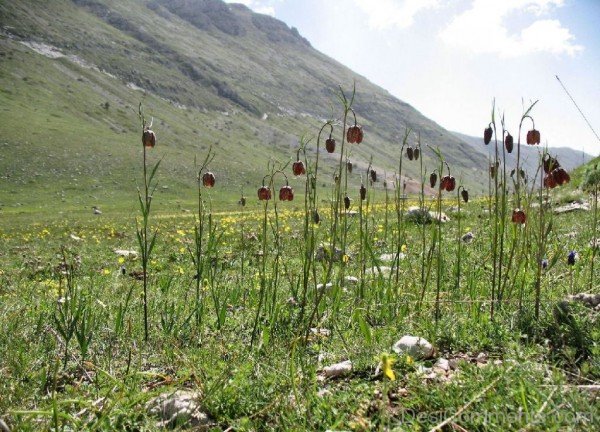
(450, 58)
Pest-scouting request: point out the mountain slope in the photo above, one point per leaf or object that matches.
(211, 74)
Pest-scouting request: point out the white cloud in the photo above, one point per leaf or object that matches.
(384, 14)
(482, 29)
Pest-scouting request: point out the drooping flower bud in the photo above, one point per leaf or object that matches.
(264, 193)
(533, 137)
(432, 179)
(148, 138)
(286, 193)
(519, 216)
(354, 134)
(509, 142)
(487, 135)
(208, 179)
(298, 168)
(330, 145)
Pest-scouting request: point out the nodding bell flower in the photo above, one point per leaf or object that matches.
(410, 153)
(354, 134)
(349, 166)
(347, 202)
(330, 145)
(432, 179)
(519, 216)
(373, 175)
(509, 142)
(416, 153)
(487, 135)
(298, 168)
(286, 193)
(465, 195)
(208, 179)
(533, 137)
(264, 193)
(549, 181)
(571, 258)
(544, 264)
(363, 192)
(448, 183)
(560, 176)
(148, 138)
(242, 201)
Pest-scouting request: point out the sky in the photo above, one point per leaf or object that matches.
(451, 58)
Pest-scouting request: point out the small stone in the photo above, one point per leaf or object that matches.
(326, 287)
(442, 364)
(126, 253)
(351, 280)
(338, 369)
(589, 300)
(574, 206)
(414, 346)
(178, 408)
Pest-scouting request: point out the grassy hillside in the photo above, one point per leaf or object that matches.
(210, 74)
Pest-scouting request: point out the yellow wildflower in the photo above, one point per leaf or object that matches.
(386, 366)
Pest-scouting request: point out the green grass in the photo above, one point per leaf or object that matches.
(274, 385)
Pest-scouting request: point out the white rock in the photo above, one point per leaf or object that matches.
(414, 346)
(590, 300)
(326, 287)
(338, 369)
(574, 206)
(126, 253)
(442, 364)
(175, 409)
(351, 280)
(391, 257)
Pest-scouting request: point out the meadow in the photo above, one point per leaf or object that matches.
(282, 312)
